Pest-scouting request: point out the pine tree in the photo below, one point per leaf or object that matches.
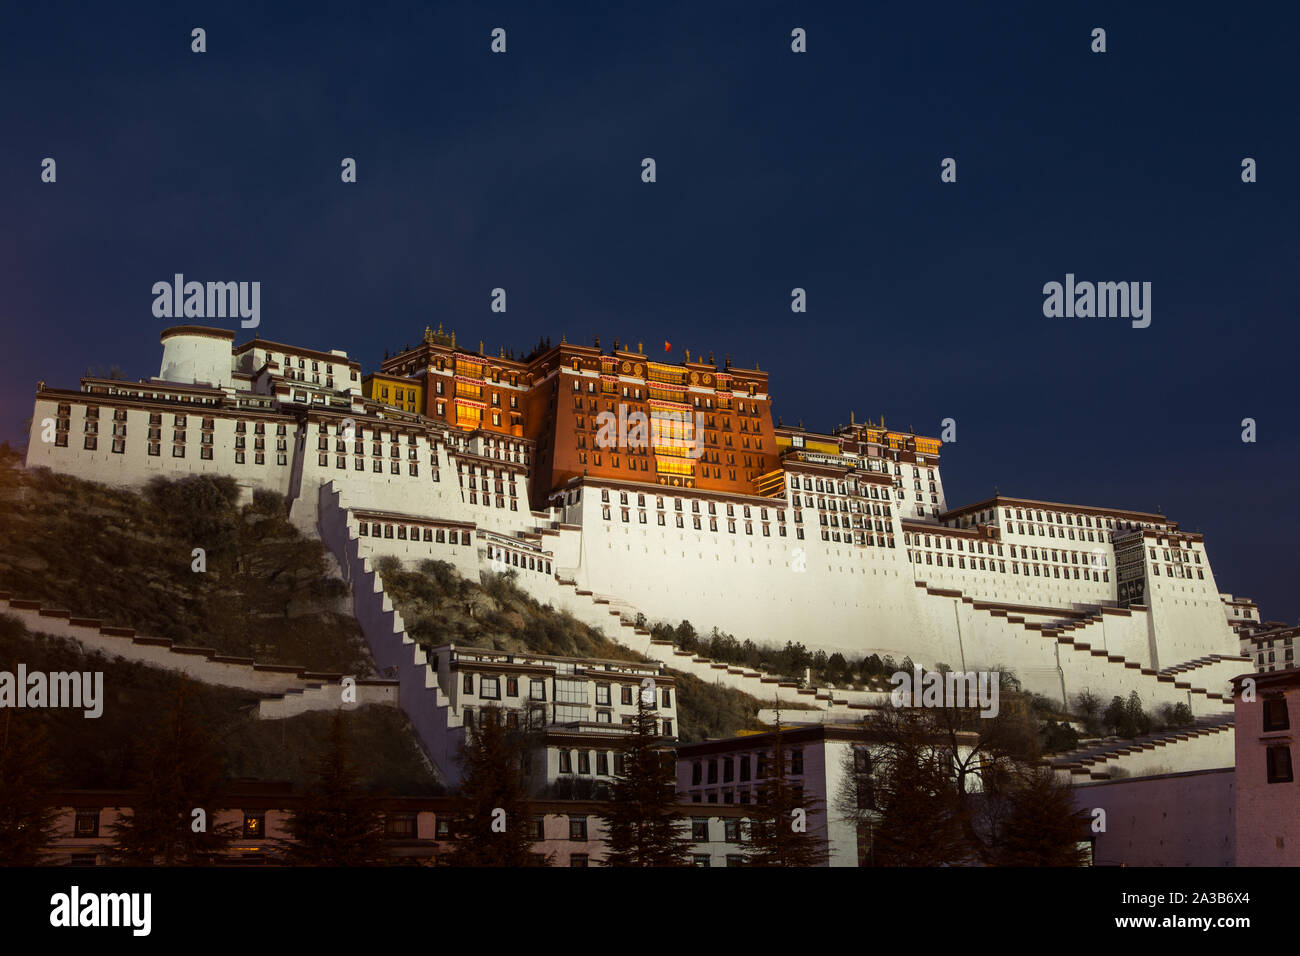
(780, 833)
(491, 816)
(179, 773)
(917, 821)
(643, 824)
(1043, 827)
(337, 823)
(26, 820)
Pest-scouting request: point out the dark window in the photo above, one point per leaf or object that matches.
(400, 826)
(700, 830)
(87, 823)
(577, 828)
(1275, 714)
(1279, 764)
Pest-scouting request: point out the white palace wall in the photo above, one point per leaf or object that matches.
(830, 595)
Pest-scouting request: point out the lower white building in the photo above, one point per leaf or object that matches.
(820, 760)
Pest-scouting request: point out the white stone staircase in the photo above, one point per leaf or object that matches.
(284, 689)
(395, 653)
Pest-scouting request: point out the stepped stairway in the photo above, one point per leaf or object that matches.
(395, 653)
(616, 619)
(1206, 661)
(1076, 632)
(1097, 759)
(284, 689)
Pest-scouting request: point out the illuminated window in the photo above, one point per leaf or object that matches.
(87, 823)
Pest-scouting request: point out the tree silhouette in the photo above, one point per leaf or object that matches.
(781, 831)
(26, 820)
(491, 816)
(643, 823)
(178, 775)
(1042, 826)
(337, 823)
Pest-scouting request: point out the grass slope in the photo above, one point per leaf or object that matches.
(439, 607)
(126, 558)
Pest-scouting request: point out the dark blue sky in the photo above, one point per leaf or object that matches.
(775, 170)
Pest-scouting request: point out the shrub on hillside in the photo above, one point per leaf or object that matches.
(202, 509)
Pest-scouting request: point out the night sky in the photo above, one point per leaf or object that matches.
(775, 170)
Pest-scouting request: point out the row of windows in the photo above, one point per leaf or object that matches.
(697, 523)
(1040, 570)
(377, 465)
(568, 691)
(738, 768)
(623, 499)
(1028, 514)
(1051, 531)
(440, 535)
